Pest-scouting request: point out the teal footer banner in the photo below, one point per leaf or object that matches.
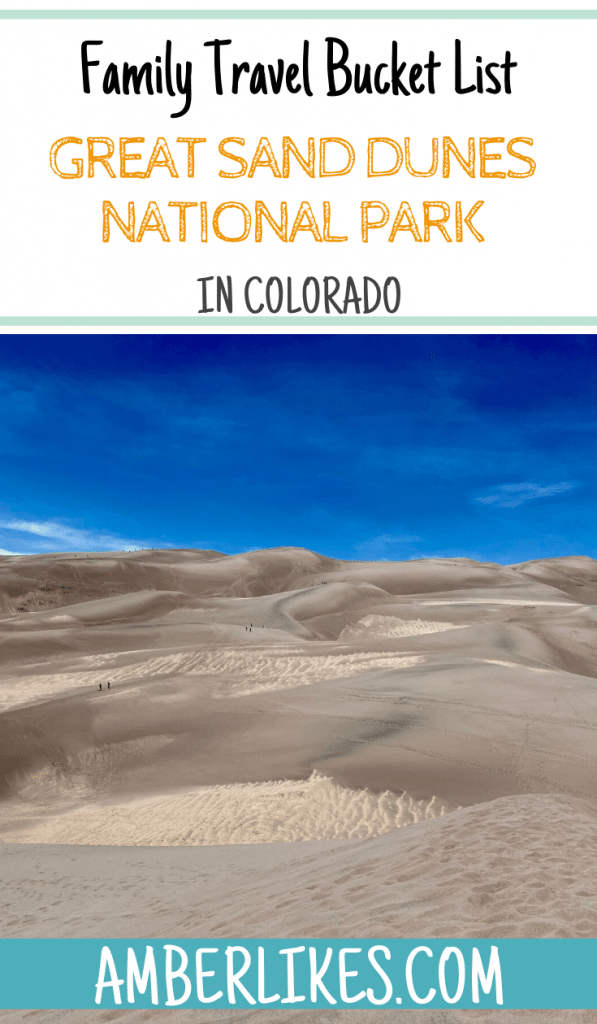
(298, 973)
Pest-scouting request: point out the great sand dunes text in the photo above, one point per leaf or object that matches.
(234, 221)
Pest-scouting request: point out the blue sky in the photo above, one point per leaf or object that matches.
(354, 446)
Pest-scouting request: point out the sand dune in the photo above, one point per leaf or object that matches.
(518, 866)
(38, 582)
(389, 700)
(258, 812)
(245, 672)
(383, 749)
(372, 626)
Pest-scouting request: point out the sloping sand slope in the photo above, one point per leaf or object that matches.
(514, 867)
(519, 866)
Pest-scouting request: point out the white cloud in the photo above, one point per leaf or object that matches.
(386, 547)
(57, 536)
(3, 552)
(512, 495)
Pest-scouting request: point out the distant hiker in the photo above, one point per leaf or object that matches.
(100, 686)
(108, 686)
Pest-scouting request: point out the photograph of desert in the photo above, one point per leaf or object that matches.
(298, 639)
(288, 744)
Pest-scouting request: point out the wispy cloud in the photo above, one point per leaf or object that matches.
(512, 495)
(387, 547)
(52, 536)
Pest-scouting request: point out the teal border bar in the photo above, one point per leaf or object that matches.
(526, 974)
(298, 321)
(313, 15)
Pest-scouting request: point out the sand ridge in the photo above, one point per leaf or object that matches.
(244, 672)
(257, 812)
